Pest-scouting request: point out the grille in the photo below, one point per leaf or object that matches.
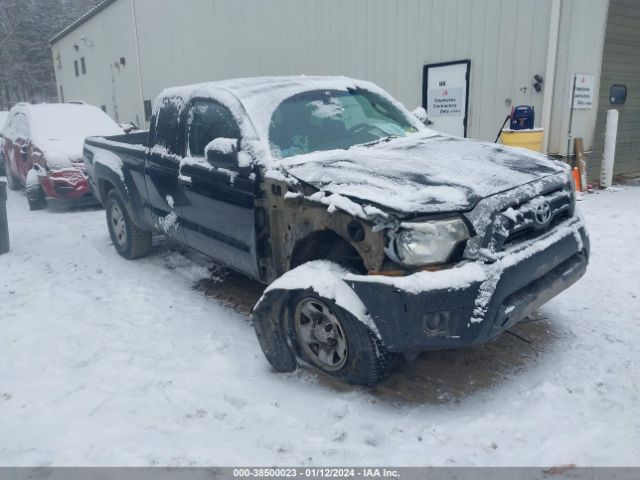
(532, 218)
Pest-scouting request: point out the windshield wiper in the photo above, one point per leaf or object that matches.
(386, 139)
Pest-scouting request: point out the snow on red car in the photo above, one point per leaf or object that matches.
(43, 149)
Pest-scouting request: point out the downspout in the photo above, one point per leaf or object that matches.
(135, 40)
(550, 70)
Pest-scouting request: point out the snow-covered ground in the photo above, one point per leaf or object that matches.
(104, 361)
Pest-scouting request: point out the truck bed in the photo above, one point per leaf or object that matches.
(118, 161)
(128, 143)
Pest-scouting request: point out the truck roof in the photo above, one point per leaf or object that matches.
(253, 88)
(260, 96)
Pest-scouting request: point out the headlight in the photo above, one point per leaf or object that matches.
(423, 243)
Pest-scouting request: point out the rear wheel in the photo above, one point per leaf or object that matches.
(36, 198)
(129, 240)
(335, 341)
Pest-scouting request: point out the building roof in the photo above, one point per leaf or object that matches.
(83, 19)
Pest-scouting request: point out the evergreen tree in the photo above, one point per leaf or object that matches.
(26, 64)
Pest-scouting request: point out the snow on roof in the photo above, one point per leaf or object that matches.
(68, 120)
(258, 97)
(84, 18)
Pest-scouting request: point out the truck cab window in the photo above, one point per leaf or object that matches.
(209, 120)
(166, 129)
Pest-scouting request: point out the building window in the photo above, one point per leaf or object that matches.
(83, 66)
(75, 67)
(147, 110)
(103, 108)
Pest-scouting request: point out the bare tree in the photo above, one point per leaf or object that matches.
(26, 66)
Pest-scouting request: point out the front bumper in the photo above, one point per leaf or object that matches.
(67, 185)
(478, 301)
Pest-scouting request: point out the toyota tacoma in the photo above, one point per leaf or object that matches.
(377, 236)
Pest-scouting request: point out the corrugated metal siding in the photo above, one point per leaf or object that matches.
(580, 43)
(386, 41)
(108, 36)
(620, 65)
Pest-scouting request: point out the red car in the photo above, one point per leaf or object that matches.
(42, 147)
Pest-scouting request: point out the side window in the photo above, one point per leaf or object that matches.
(13, 125)
(19, 125)
(209, 120)
(166, 131)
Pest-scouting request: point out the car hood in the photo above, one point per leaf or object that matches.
(61, 153)
(421, 173)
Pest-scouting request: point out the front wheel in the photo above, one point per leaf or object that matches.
(36, 198)
(332, 339)
(129, 240)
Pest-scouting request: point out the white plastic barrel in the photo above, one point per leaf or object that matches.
(610, 135)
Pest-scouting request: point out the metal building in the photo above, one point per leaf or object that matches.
(620, 82)
(487, 55)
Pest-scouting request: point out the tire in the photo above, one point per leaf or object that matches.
(129, 240)
(36, 198)
(12, 182)
(365, 360)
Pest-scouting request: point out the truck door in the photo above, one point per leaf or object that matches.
(219, 209)
(161, 169)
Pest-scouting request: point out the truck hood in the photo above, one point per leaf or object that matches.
(421, 173)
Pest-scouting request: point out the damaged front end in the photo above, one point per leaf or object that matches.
(525, 247)
(453, 280)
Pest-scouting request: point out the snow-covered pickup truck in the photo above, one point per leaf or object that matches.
(378, 236)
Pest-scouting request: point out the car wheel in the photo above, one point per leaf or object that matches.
(12, 182)
(330, 338)
(36, 198)
(129, 240)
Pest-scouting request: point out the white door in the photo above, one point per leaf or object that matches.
(445, 96)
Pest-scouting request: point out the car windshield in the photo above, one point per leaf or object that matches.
(332, 119)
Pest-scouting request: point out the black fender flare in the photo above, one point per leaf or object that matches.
(105, 175)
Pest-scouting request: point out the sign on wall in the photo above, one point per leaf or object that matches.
(445, 96)
(584, 91)
(445, 102)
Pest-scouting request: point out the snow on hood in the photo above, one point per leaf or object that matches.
(61, 153)
(421, 173)
(59, 130)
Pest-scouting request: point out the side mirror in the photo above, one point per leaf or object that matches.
(421, 114)
(222, 151)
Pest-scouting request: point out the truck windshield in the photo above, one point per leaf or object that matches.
(331, 119)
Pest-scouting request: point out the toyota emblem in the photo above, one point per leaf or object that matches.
(542, 213)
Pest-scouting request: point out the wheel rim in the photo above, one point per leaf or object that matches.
(321, 334)
(118, 226)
